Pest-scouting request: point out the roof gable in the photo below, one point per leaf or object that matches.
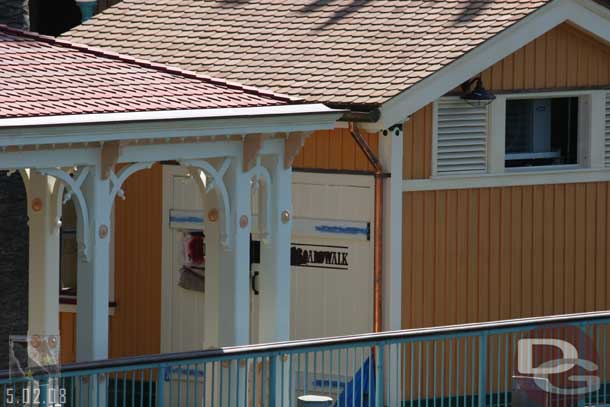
(339, 52)
(41, 76)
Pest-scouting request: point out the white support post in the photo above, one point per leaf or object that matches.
(274, 287)
(94, 273)
(390, 152)
(44, 212)
(234, 278)
(391, 156)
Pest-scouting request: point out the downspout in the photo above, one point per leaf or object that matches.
(377, 225)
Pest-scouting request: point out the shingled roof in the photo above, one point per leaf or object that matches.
(341, 52)
(41, 76)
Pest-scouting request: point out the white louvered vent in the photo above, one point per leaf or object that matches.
(461, 145)
(607, 135)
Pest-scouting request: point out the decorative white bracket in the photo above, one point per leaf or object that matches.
(217, 183)
(74, 185)
(117, 180)
(264, 216)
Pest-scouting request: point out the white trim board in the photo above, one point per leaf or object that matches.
(586, 14)
(541, 177)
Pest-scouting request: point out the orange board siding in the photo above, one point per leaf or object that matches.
(135, 327)
(417, 146)
(495, 253)
(564, 57)
(335, 150)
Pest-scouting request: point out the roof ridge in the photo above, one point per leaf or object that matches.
(150, 64)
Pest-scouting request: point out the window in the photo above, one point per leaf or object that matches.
(541, 132)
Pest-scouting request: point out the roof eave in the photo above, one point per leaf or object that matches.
(165, 124)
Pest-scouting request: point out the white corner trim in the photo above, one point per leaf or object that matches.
(539, 177)
(585, 13)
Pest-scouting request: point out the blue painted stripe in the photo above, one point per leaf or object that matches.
(345, 230)
(185, 219)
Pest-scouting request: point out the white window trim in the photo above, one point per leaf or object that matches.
(590, 168)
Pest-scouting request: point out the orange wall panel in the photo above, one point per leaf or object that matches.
(565, 57)
(495, 253)
(417, 146)
(135, 326)
(335, 150)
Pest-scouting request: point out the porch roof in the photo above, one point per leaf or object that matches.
(344, 52)
(41, 77)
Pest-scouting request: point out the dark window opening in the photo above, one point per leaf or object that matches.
(53, 17)
(541, 132)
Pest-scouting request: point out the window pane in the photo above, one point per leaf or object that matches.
(541, 132)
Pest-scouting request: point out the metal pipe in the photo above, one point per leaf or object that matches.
(377, 227)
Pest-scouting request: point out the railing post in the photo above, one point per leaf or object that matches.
(379, 367)
(161, 386)
(482, 369)
(272, 379)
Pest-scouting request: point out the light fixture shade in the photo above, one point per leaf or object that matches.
(479, 96)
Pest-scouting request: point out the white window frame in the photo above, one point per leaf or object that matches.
(591, 149)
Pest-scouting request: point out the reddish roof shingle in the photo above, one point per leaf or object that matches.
(331, 51)
(41, 76)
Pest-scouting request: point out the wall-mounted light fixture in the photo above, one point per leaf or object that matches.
(479, 96)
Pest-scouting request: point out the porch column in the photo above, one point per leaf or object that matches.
(93, 272)
(390, 154)
(234, 270)
(274, 303)
(44, 212)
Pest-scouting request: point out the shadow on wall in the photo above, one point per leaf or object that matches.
(13, 262)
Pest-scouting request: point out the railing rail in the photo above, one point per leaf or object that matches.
(461, 365)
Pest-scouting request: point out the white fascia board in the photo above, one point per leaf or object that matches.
(586, 14)
(48, 158)
(169, 124)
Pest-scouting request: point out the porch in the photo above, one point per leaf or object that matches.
(501, 363)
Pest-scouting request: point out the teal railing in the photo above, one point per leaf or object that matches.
(553, 361)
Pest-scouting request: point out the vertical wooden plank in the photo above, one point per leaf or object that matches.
(551, 58)
(570, 248)
(508, 73)
(516, 282)
(537, 249)
(462, 255)
(495, 260)
(322, 149)
(430, 270)
(497, 72)
(519, 69)
(419, 147)
(335, 145)
(558, 246)
(579, 261)
(472, 290)
(348, 147)
(408, 231)
(505, 254)
(408, 150)
(67, 331)
(440, 255)
(562, 58)
(453, 237)
(427, 157)
(530, 66)
(547, 251)
(527, 255)
(417, 288)
(483, 257)
(590, 255)
(573, 63)
(540, 60)
(601, 255)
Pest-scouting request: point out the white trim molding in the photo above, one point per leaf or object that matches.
(586, 14)
(534, 177)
